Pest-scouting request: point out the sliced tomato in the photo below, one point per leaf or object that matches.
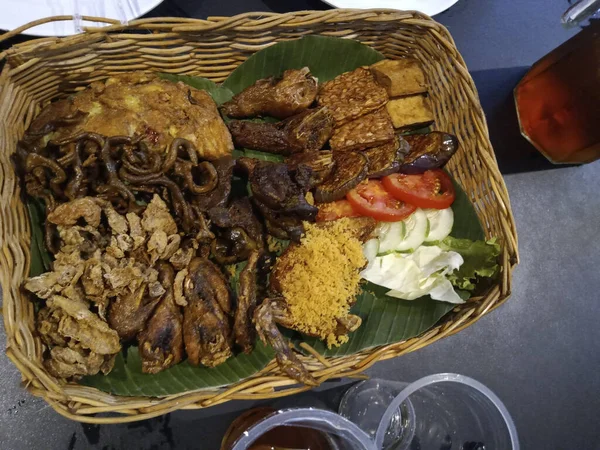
(335, 210)
(371, 199)
(432, 189)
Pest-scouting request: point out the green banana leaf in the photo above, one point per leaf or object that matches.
(385, 320)
(127, 378)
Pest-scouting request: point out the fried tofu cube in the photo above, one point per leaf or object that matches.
(351, 95)
(368, 131)
(410, 112)
(400, 77)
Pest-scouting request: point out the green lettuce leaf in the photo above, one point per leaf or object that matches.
(481, 260)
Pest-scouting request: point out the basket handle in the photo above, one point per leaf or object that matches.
(35, 23)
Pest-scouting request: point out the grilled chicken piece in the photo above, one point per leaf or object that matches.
(307, 131)
(206, 329)
(128, 313)
(244, 331)
(161, 342)
(277, 97)
(270, 313)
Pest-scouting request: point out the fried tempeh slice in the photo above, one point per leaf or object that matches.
(400, 77)
(244, 331)
(368, 131)
(410, 112)
(277, 97)
(351, 95)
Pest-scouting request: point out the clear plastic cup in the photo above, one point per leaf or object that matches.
(444, 411)
(338, 433)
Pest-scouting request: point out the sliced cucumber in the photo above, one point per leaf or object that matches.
(391, 238)
(370, 249)
(440, 223)
(416, 229)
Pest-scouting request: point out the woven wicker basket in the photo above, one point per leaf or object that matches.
(40, 70)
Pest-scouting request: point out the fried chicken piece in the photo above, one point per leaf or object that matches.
(161, 342)
(266, 317)
(307, 131)
(368, 131)
(206, 329)
(277, 97)
(129, 312)
(140, 104)
(244, 332)
(351, 95)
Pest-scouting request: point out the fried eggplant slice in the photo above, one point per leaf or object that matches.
(243, 330)
(428, 151)
(161, 342)
(276, 97)
(206, 329)
(409, 113)
(351, 95)
(266, 317)
(349, 170)
(307, 131)
(387, 158)
(368, 131)
(400, 77)
(321, 164)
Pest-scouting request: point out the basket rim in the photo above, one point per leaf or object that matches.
(59, 396)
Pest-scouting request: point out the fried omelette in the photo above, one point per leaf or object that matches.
(139, 104)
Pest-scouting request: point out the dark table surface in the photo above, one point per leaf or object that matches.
(539, 352)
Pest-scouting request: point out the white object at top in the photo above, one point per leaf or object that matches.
(429, 7)
(19, 12)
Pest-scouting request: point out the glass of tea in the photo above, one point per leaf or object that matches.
(558, 100)
(294, 429)
(443, 411)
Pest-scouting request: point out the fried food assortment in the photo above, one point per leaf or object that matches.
(161, 238)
